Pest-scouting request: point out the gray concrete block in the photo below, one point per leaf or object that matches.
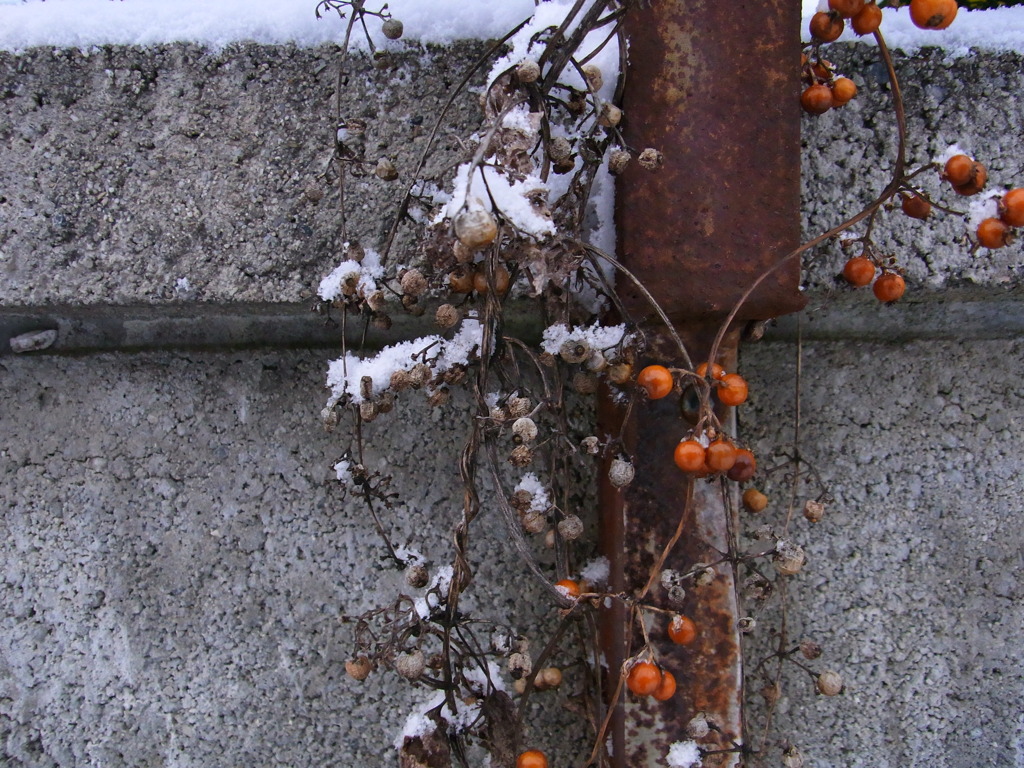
(174, 174)
(913, 581)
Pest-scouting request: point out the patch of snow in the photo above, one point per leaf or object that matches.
(684, 754)
(597, 336)
(345, 374)
(539, 499)
(86, 23)
(596, 571)
(343, 469)
(362, 275)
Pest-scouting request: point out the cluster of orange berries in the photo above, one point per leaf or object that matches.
(997, 232)
(824, 89)
(701, 455)
(860, 271)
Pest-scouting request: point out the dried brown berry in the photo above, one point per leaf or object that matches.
(392, 29)
(447, 316)
(651, 159)
(476, 229)
(413, 282)
(358, 668)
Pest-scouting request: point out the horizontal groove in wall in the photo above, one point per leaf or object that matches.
(82, 330)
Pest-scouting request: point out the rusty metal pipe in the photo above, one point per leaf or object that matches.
(714, 87)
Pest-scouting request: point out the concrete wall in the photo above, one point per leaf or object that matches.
(176, 554)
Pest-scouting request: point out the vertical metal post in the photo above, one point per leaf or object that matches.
(713, 86)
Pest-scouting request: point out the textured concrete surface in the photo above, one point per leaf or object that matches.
(914, 577)
(131, 175)
(176, 556)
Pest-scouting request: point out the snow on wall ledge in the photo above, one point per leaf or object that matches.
(85, 23)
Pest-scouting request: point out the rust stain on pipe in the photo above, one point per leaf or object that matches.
(714, 86)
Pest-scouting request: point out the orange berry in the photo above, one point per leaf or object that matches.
(932, 14)
(721, 455)
(717, 371)
(1011, 207)
(889, 287)
(816, 99)
(868, 20)
(656, 380)
(993, 233)
(667, 689)
(733, 389)
(843, 89)
(744, 468)
(644, 678)
(532, 758)
(846, 8)
(826, 27)
(915, 206)
(682, 630)
(859, 271)
(689, 456)
(976, 179)
(958, 169)
(569, 587)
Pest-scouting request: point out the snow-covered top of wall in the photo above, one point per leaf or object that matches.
(83, 23)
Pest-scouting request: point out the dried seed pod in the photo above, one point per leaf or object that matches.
(416, 576)
(521, 500)
(519, 686)
(746, 625)
(585, 383)
(392, 29)
(698, 727)
(521, 456)
(498, 414)
(771, 693)
(412, 305)
(546, 359)
(534, 522)
(420, 375)
(525, 429)
(366, 387)
(375, 301)
(411, 665)
(385, 402)
(618, 160)
(549, 538)
(381, 321)
(789, 558)
(763, 533)
(564, 166)
(591, 445)
(354, 251)
(559, 148)
(520, 665)
(574, 351)
(676, 595)
(381, 59)
(754, 500)
(814, 510)
(501, 280)
(547, 678)
(438, 397)
(621, 473)
(792, 758)
(413, 282)
(385, 170)
(570, 527)
(330, 417)
(455, 375)
(400, 380)
(358, 668)
(519, 407)
(447, 316)
(810, 649)
(463, 255)
(368, 410)
(609, 116)
(703, 575)
(829, 683)
(651, 159)
(594, 77)
(597, 361)
(620, 373)
(476, 229)
(528, 71)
